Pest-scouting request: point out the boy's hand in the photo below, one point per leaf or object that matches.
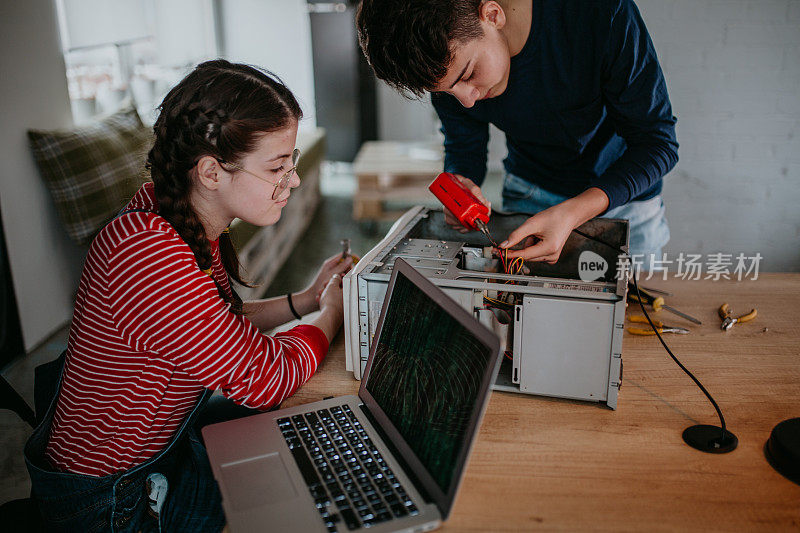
(546, 232)
(544, 235)
(450, 219)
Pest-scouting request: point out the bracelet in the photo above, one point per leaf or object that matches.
(297, 315)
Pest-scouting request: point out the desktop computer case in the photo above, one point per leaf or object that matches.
(562, 335)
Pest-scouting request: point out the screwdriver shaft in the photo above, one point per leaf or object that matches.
(683, 315)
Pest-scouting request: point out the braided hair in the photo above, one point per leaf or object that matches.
(219, 109)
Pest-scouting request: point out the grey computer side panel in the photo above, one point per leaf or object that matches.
(566, 342)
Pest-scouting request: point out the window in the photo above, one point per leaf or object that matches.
(118, 51)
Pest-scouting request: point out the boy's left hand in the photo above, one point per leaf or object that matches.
(545, 234)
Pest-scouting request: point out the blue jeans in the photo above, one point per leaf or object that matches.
(649, 231)
(119, 502)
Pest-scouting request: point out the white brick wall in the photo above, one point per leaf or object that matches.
(733, 74)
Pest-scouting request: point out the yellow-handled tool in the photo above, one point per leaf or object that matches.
(728, 321)
(660, 326)
(346, 251)
(656, 302)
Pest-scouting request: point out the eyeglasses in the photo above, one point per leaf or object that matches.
(282, 184)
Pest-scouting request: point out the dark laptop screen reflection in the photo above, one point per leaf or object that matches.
(426, 376)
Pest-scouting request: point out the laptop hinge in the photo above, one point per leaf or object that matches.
(393, 449)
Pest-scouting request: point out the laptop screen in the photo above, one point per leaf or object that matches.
(429, 374)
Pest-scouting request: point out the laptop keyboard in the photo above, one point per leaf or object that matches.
(348, 478)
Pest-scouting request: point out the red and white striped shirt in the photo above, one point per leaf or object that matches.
(149, 333)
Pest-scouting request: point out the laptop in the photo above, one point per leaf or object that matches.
(391, 458)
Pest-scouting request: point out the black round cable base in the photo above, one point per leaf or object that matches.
(783, 449)
(710, 439)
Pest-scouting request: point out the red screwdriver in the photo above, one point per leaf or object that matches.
(460, 201)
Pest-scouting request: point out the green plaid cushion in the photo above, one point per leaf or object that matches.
(92, 171)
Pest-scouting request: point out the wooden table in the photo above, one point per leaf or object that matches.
(389, 171)
(543, 463)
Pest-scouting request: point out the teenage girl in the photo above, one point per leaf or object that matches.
(157, 325)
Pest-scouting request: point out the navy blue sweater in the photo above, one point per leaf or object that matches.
(586, 106)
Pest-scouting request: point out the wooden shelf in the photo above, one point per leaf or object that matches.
(393, 171)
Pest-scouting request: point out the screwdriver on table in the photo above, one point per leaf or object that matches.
(656, 302)
(660, 326)
(460, 201)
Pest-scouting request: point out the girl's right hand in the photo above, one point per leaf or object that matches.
(331, 304)
(332, 299)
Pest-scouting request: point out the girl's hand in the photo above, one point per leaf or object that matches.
(331, 300)
(332, 266)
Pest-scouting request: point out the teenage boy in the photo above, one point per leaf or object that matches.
(574, 84)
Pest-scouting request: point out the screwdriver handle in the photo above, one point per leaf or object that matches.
(639, 319)
(656, 302)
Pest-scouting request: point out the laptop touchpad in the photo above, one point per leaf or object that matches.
(257, 481)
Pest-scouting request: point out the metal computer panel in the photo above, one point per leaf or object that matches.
(566, 342)
(433, 255)
(613, 233)
(458, 264)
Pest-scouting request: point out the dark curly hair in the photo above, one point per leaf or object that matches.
(219, 109)
(408, 42)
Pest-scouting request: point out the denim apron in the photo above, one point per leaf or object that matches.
(173, 491)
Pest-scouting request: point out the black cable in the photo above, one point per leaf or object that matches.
(660, 338)
(697, 381)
